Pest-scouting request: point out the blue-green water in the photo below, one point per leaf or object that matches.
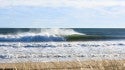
(62, 34)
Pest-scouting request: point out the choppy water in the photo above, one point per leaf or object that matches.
(20, 45)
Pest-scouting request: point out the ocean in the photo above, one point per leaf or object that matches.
(47, 35)
(61, 44)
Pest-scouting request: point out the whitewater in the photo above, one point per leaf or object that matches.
(51, 45)
(61, 51)
(43, 35)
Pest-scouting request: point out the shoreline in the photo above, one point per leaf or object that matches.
(66, 65)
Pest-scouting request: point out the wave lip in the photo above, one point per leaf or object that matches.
(59, 32)
(44, 35)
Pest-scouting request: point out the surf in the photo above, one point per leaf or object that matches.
(54, 35)
(42, 35)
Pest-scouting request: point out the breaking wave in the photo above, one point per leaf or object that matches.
(48, 34)
(39, 36)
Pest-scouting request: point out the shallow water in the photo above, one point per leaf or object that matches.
(61, 51)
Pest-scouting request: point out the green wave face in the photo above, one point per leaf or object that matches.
(76, 37)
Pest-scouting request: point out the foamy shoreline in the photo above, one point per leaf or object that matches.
(61, 51)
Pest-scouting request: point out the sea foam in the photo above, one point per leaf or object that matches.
(61, 51)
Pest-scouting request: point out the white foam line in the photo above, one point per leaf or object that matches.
(63, 51)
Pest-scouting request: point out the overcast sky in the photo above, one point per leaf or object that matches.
(62, 13)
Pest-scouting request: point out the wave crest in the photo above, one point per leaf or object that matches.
(43, 35)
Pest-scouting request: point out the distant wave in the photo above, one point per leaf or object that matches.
(42, 38)
(43, 35)
(37, 31)
(47, 35)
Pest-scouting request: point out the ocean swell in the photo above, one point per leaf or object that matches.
(36, 38)
(44, 35)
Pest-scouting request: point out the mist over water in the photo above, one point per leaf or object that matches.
(59, 32)
(37, 35)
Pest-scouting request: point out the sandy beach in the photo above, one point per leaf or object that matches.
(69, 65)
